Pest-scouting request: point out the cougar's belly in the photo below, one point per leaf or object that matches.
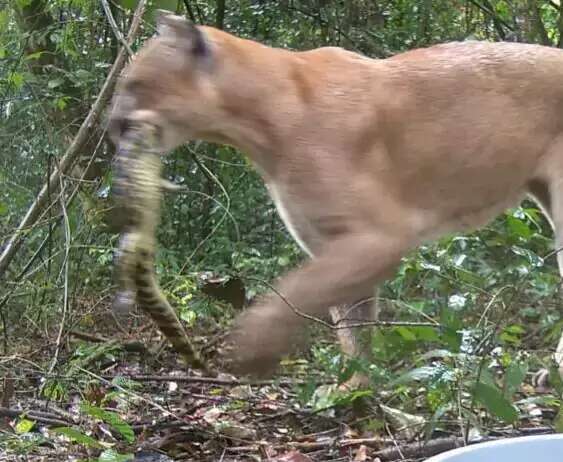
(293, 215)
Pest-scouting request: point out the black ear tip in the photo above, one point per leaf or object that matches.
(187, 34)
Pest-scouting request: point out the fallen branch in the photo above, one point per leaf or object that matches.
(376, 442)
(211, 380)
(133, 346)
(73, 150)
(46, 418)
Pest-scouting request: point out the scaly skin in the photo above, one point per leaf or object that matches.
(139, 189)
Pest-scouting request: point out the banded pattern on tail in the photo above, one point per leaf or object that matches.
(139, 189)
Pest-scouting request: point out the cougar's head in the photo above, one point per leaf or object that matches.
(168, 84)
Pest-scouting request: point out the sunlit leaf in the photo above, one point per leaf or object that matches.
(16, 79)
(33, 56)
(76, 436)
(112, 419)
(24, 426)
(532, 258)
(518, 227)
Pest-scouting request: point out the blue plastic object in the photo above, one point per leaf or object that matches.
(541, 448)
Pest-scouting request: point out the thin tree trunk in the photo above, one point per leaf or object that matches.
(220, 14)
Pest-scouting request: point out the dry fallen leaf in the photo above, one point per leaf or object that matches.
(241, 392)
(361, 454)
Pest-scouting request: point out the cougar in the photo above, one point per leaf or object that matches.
(365, 159)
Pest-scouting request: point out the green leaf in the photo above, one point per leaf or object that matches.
(3, 19)
(515, 375)
(426, 334)
(491, 397)
(24, 426)
(518, 227)
(112, 419)
(35, 55)
(110, 455)
(451, 325)
(61, 103)
(77, 436)
(3, 209)
(82, 75)
(16, 79)
(406, 333)
(532, 258)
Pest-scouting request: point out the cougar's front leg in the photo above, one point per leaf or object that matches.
(347, 269)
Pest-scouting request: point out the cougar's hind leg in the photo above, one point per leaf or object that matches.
(556, 205)
(355, 342)
(549, 196)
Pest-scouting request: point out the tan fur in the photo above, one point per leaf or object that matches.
(366, 159)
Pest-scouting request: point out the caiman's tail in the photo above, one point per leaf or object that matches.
(140, 186)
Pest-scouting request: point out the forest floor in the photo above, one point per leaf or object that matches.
(112, 400)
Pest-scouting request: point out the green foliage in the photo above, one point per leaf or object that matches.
(491, 397)
(76, 436)
(112, 419)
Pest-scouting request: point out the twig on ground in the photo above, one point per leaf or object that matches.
(134, 346)
(211, 380)
(41, 417)
(315, 445)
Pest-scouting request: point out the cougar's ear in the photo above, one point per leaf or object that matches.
(186, 34)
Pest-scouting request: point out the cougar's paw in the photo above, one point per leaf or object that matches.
(258, 340)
